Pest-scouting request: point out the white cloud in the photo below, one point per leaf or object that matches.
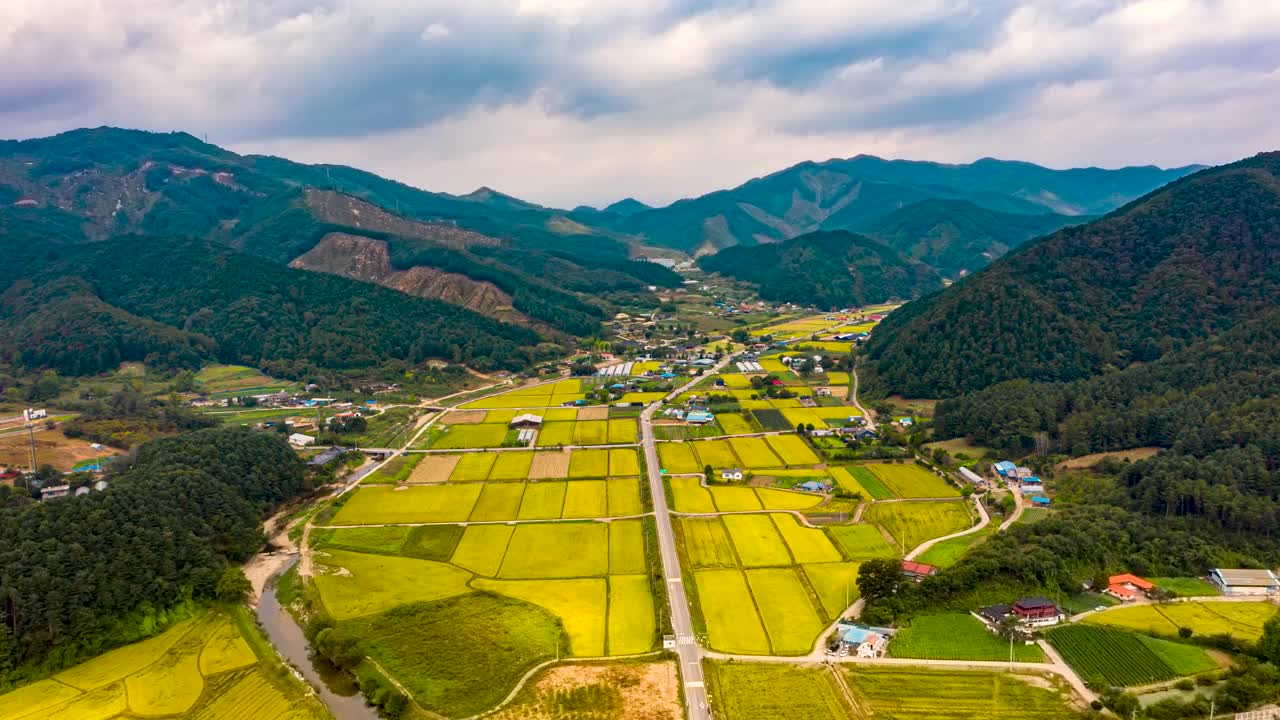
(568, 101)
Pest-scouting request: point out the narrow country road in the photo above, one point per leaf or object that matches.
(687, 648)
(871, 421)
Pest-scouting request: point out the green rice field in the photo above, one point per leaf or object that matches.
(957, 637)
(951, 694)
(911, 523)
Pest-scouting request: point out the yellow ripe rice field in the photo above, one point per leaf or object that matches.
(473, 467)
(413, 504)
(511, 466)
(689, 496)
(733, 624)
(911, 523)
(543, 551)
(626, 547)
(792, 449)
(734, 498)
(356, 584)
(498, 501)
(482, 548)
(589, 464)
(632, 627)
(754, 452)
(716, 453)
(585, 499)
(678, 458)
(912, 481)
(623, 462)
(707, 543)
(624, 497)
(542, 501)
(1241, 620)
(734, 424)
(789, 618)
(581, 603)
(773, 499)
(836, 585)
(757, 540)
(807, 545)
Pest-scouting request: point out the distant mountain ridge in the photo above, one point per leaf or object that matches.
(827, 269)
(857, 192)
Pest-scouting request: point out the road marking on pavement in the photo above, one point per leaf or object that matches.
(670, 580)
(695, 684)
(685, 640)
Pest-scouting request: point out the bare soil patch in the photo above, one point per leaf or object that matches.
(550, 465)
(52, 448)
(593, 413)
(1088, 461)
(463, 417)
(434, 469)
(634, 691)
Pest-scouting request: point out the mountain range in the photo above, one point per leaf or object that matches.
(503, 276)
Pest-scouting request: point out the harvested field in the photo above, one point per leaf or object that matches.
(469, 417)
(549, 465)
(646, 691)
(434, 468)
(52, 448)
(595, 412)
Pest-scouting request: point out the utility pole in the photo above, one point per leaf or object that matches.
(31, 432)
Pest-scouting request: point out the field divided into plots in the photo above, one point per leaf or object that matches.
(492, 502)
(508, 466)
(754, 454)
(1110, 656)
(203, 667)
(911, 523)
(764, 583)
(1240, 620)
(691, 497)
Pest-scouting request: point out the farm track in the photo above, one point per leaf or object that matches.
(489, 522)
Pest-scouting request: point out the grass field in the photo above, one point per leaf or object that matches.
(377, 540)
(836, 585)
(759, 691)
(733, 625)
(690, 496)
(734, 424)
(911, 523)
(222, 381)
(789, 617)
(912, 481)
(678, 458)
(444, 652)
(580, 603)
(589, 464)
(792, 449)
(754, 452)
(951, 694)
(415, 503)
(871, 486)
(357, 584)
(707, 543)
(1241, 620)
(957, 637)
(557, 550)
(198, 668)
(948, 552)
(807, 545)
(464, 437)
(862, 542)
(756, 540)
(1109, 655)
(1186, 586)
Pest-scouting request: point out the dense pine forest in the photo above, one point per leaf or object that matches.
(83, 574)
(826, 269)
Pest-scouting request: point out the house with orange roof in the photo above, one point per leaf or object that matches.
(1128, 587)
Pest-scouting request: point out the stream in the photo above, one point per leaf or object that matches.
(336, 690)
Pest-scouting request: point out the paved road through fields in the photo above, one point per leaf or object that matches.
(687, 648)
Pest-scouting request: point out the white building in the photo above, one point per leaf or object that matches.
(300, 440)
(731, 474)
(1245, 582)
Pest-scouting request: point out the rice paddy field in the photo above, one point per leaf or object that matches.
(213, 665)
(678, 458)
(862, 541)
(957, 636)
(760, 691)
(754, 452)
(465, 437)
(858, 479)
(507, 466)
(911, 523)
(792, 449)
(764, 583)
(1241, 620)
(491, 502)
(912, 481)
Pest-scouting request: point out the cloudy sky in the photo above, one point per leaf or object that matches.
(586, 101)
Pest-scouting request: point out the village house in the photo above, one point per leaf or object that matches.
(862, 641)
(1029, 612)
(1128, 588)
(731, 474)
(526, 421)
(698, 417)
(917, 570)
(54, 492)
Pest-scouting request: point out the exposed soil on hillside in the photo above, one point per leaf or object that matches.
(341, 209)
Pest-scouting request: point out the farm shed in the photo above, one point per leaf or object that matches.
(917, 570)
(527, 420)
(1128, 587)
(971, 476)
(300, 440)
(1245, 582)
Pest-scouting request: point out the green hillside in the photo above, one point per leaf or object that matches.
(956, 236)
(1181, 264)
(826, 269)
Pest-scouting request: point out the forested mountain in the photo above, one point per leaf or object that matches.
(86, 308)
(1179, 265)
(826, 269)
(857, 192)
(88, 185)
(956, 237)
(84, 574)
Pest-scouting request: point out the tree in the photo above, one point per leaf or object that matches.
(233, 586)
(1269, 643)
(879, 578)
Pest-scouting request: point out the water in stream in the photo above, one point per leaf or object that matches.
(335, 688)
